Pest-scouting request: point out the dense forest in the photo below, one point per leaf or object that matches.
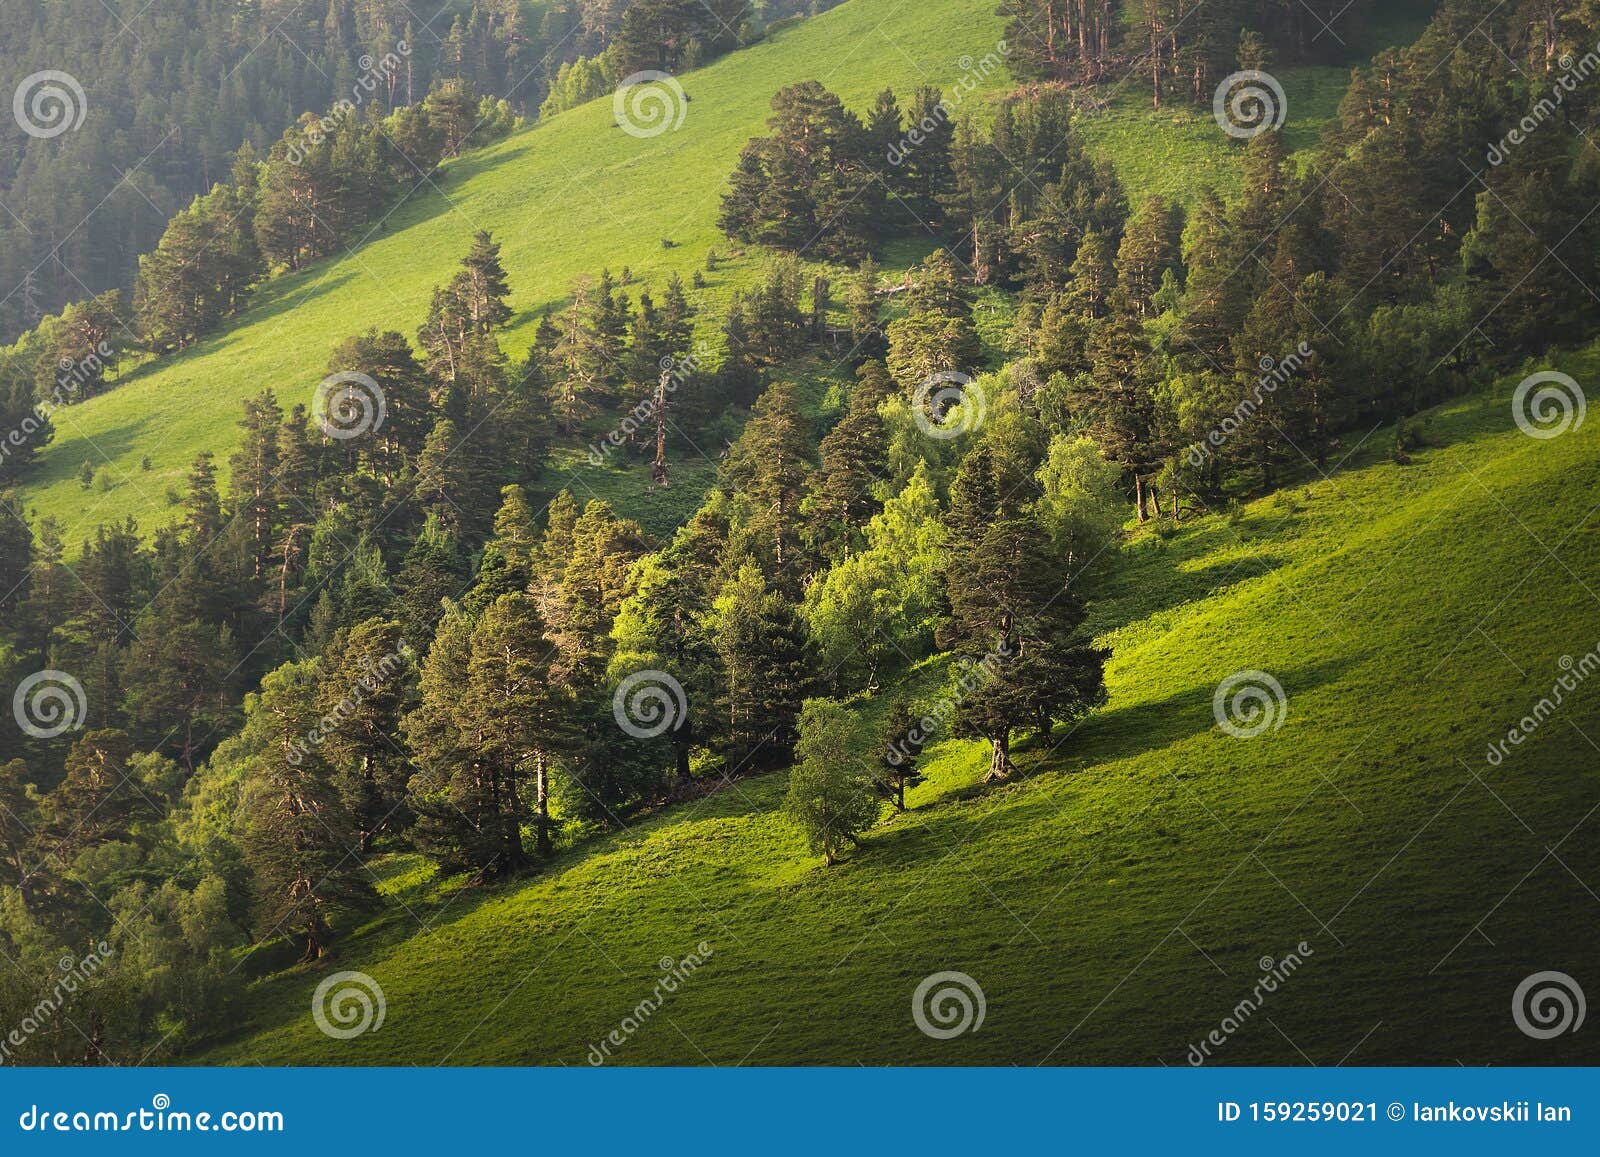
(374, 637)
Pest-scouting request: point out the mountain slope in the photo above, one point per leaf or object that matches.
(1119, 903)
(567, 198)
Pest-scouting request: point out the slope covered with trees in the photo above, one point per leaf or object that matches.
(926, 513)
(1114, 905)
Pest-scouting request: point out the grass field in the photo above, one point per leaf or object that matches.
(1120, 901)
(567, 198)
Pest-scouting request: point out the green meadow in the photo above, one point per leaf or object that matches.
(567, 198)
(1118, 902)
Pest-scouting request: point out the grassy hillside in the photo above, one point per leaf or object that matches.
(1117, 904)
(567, 198)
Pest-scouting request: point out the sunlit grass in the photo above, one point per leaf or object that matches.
(1115, 904)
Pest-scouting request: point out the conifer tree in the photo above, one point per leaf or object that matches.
(1014, 622)
(364, 691)
(300, 841)
(854, 458)
(768, 664)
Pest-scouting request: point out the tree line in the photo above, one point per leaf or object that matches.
(323, 182)
(394, 642)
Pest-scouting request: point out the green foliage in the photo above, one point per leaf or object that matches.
(831, 797)
(1143, 811)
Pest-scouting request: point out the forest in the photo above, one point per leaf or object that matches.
(381, 631)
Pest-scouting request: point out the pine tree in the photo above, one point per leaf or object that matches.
(768, 662)
(364, 691)
(1149, 250)
(433, 570)
(300, 842)
(936, 335)
(769, 467)
(903, 738)
(253, 483)
(854, 457)
(1014, 622)
(867, 341)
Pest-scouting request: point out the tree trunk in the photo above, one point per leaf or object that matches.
(314, 938)
(680, 748)
(658, 470)
(542, 811)
(1000, 765)
(1138, 495)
